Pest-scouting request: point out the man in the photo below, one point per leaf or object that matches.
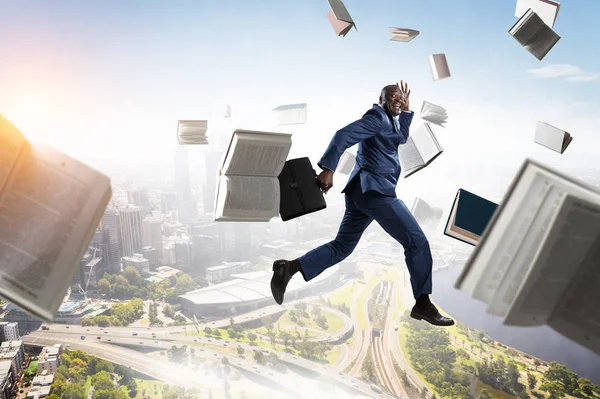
(371, 195)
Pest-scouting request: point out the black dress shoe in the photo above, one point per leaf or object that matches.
(431, 315)
(281, 277)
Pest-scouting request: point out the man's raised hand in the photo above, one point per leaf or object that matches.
(405, 93)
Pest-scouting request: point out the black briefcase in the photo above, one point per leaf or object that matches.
(300, 192)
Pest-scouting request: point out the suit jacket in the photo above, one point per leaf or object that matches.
(378, 136)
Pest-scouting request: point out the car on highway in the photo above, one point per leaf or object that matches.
(141, 343)
(105, 332)
(134, 333)
(376, 388)
(83, 337)
(108, 340)
(98, 337)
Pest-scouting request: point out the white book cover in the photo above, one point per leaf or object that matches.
(347, 162)
(547, 10)
(439, 66)
(551, 137)
(291, 114)
(192, 131)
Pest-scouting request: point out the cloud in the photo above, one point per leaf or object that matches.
(570, 72)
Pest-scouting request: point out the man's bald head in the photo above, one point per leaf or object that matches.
(390, 99)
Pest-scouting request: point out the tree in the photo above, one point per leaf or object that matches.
(103, 381)
(240, 351)
(132, 386)
(559, 373)
(104, 286)
(208, 331)
(531, 381)
(52, 396)
(132, 275)
(168, 311)
(74, 391)
(586, 386)
(554, 388)
(103, 365)
(125, 374)
(536, 363)
(259, 357)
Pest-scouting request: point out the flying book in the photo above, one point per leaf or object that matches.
(547, 10)
(291, 114)
(347, 162)
(426, 215)
(469, 216)
(50, 207)
(533, 34)
(300, 192)
(421, 148)
(434, 113)
(247, 186)
(192, 132)
(227, 111)
(538, 261)
(403, 35)
(340, 18)
(552, 138)
(439, 66)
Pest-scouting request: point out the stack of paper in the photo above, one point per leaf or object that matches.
(403, 35)
(533, 34)
(340, 19)
(347, 162)
(552, 138)
(547, 10)
(434, 113)
(439, 66)
(291, 114)
(192, 132)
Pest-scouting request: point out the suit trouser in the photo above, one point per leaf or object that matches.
(394, 217)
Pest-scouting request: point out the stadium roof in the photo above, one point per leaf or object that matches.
(248, 287)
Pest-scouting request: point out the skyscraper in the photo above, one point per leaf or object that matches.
(140, 198)
(130, 227)
(110, 238)
(213, 159)
(185, 205)
(152, 232)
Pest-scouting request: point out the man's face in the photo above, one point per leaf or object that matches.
(392, 101)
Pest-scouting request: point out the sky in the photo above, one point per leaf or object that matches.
(108, 79)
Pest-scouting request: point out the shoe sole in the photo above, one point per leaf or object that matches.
(277, 267)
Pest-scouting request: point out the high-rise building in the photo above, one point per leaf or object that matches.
(152, 235)
(130, 227)
(138, 262)
(140, 198)
(111, 252)
(213, 160)
(183, 253)
(168, 201)
(185, 205)
(152, 254)
(9, 331)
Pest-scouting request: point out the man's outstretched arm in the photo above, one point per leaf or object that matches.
(368, 126)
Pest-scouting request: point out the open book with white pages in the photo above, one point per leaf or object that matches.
(421, 149)
(247, 185)
(50, 207)
(538, 261)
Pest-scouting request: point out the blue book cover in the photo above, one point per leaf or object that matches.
(473, 213)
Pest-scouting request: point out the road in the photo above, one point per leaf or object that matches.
(366, 336)
(390, 334)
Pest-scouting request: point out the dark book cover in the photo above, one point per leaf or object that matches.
(473, 213)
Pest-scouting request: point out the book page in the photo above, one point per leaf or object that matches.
(521, 263)
(257, 153)
(12, 142)
(49, 211)
(247, 197)
(509, 243)
(577, 315)
(568, 241)
(409, 155)
(425, 143)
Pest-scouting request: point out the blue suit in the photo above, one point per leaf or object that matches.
(370, 194)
